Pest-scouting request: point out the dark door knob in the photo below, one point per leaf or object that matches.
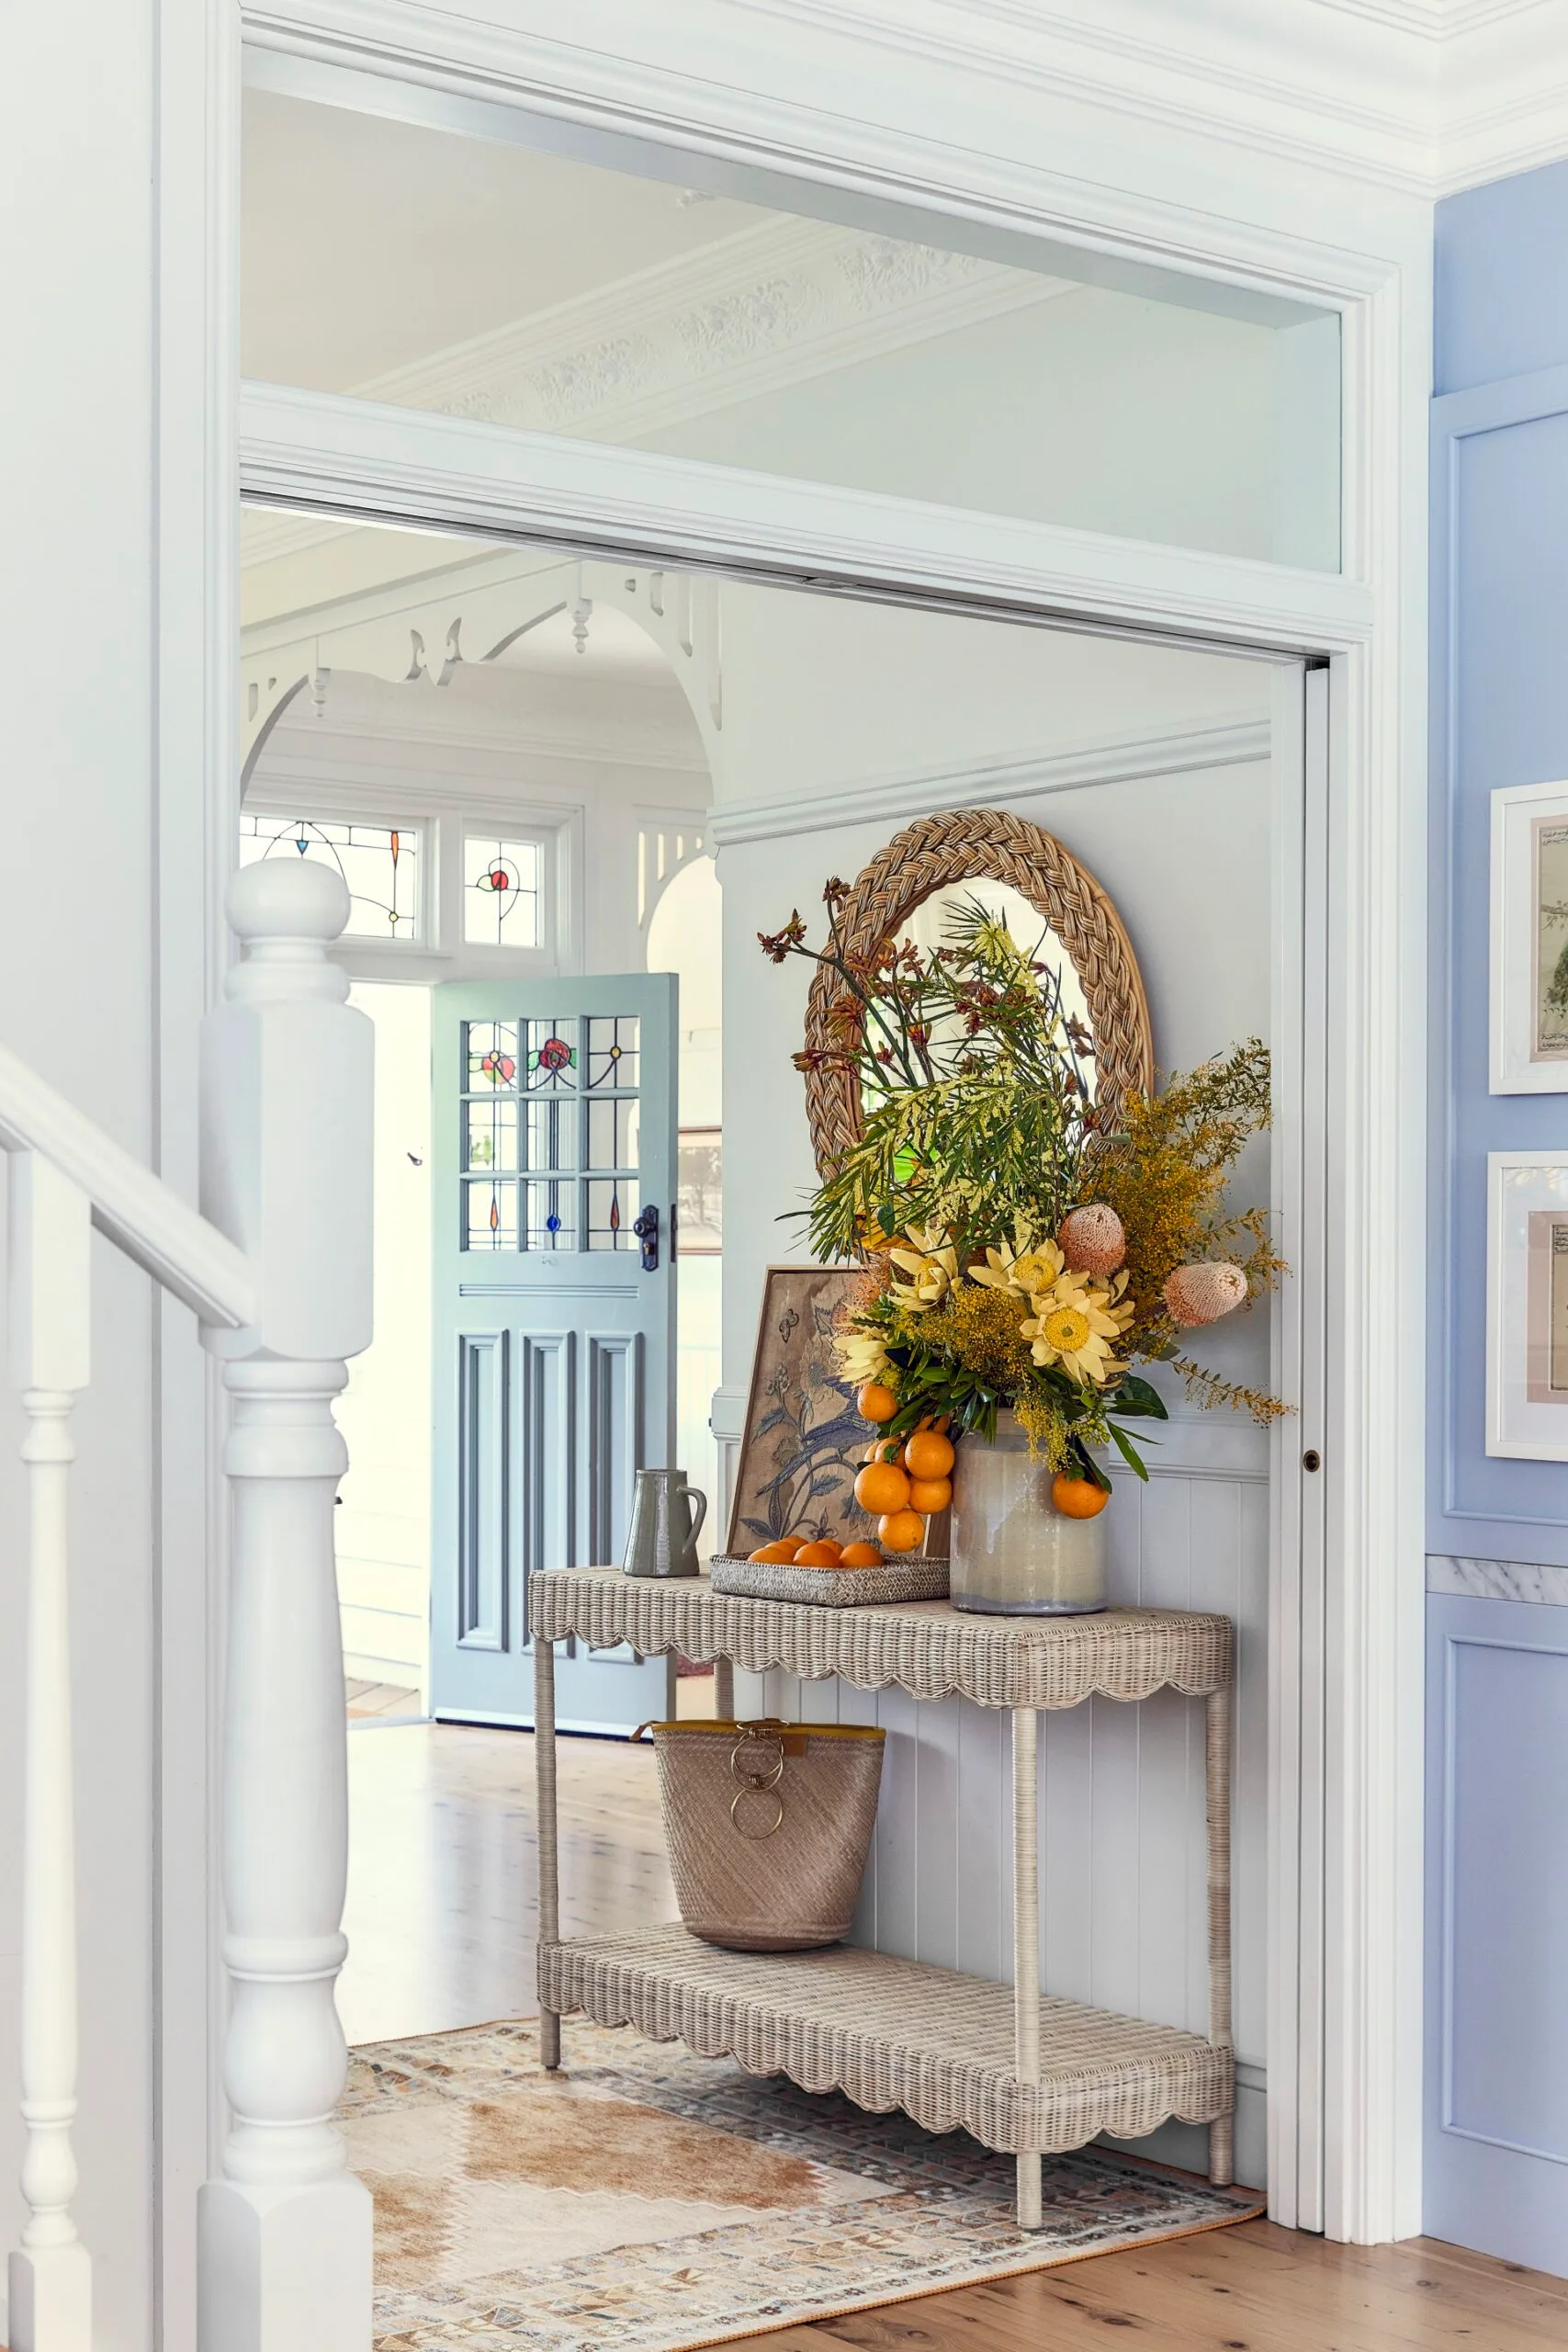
(646, 1227)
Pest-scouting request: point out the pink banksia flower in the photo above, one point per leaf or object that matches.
(1091, 1239)
(1203, 1292)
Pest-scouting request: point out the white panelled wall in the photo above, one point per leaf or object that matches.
(1184, 850)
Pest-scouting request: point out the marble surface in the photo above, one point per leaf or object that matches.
(1497, 1579)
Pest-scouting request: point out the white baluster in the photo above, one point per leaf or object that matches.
(285, 2235)
(50, 2278)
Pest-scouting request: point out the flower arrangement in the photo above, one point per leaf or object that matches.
(1018, 1251)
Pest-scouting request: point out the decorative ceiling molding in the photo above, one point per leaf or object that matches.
(746, 315)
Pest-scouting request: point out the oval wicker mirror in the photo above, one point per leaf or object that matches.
(968, 845)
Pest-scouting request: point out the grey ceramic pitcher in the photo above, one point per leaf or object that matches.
(662, 1539)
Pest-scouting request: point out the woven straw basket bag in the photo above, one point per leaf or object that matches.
(768, 1825)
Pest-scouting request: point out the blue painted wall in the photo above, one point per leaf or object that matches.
(1497, 1987)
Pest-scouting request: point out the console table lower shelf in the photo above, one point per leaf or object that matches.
(1026, 2075)
(896, 2034)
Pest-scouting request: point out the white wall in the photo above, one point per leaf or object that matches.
(383, 1529)
(820, 693)
(77, 1000)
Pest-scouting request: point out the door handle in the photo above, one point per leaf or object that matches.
(646, 1227)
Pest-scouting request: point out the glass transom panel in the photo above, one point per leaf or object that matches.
(976, 365)
(550, 1135)
(501, 892)
(379, 864)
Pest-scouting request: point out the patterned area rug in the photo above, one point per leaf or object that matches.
(645, 2199)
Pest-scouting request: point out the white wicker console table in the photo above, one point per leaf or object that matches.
(1023, 2074)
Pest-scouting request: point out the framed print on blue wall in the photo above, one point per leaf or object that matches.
(1530, 939)
(1526, 1305)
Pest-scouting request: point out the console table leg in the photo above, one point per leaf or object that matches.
(1026, 1941)
(1222, 2132)
(723, 1689)
(550, 1869)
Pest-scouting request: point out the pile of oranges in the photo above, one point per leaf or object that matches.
(905, 1480)
(790, 1552)
(901, 1483)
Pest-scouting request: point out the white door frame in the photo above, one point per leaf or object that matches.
(1347, 1828)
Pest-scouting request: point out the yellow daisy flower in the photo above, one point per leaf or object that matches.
(1076, 1324)
(861, 1357)
(925, 1269)
(1028, 1267)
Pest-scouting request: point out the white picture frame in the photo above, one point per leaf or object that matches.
(1529, 940)
(1526, 1305)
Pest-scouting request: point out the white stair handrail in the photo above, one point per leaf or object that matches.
(130, 1205)
(278, 1271)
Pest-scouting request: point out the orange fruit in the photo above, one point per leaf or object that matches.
(901, 1530)
(880, 1486)
(884, 1449)
(929, 1494)
(782, 1552)
(876, 1403)
(1078, 1497)
(929, 1455)
(817, 1556)
(861, 1555)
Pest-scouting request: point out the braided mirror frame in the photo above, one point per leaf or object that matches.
(967, 845)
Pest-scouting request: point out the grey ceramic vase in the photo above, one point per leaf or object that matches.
(663, 1538)
(1013, 1552)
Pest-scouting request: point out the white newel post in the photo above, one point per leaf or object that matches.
(286, 1109)
(49, 2277)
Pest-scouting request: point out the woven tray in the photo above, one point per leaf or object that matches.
(831, 1588)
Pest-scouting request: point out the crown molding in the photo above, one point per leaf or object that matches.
(894, 799)
(1423, 95)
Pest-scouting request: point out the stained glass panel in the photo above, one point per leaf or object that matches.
(613, 1203)
(553, 1133)
(491, 1055)
(379, 864)
(550, 1057)
(493, 1136)
(490, 1214)
(613, 1133)
(501, 892)
(552, 1215)
(612, 1051)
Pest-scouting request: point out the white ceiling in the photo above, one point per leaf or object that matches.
(368, 244)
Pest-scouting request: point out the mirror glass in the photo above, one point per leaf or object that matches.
(931, 925)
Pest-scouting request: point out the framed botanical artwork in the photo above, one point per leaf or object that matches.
(1526, 1305)
(804, 1439)
(1530, 939)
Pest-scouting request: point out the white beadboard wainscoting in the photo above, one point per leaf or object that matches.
(1123, 1860)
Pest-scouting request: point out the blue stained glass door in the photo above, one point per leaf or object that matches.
(554, 1132)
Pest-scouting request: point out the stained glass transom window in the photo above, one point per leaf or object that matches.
(379, 864)
(550, 1132)
(501, 892)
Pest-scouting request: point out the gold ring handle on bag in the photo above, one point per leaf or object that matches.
(754, 1783)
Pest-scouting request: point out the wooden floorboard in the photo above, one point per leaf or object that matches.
(442, 1922)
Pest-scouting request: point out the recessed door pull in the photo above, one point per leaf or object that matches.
(1311, 1459)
